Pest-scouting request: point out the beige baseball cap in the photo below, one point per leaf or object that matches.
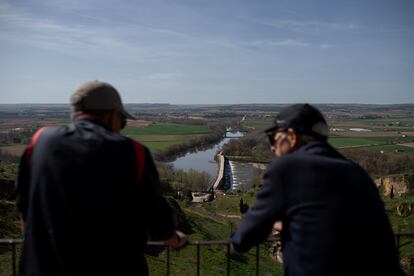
(98, 96)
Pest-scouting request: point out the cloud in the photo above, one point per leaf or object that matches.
(288, 43)
(296, 25)
(93, 39)
(165, 76)
(4, 6)
(326, 46)
(279, 79)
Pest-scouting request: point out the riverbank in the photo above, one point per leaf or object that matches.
(203, 158)
(194, 144)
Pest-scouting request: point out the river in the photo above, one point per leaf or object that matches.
(203, 160)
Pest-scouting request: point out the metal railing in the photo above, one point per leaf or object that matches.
(198, 244)
(12, 243)
(398, 240)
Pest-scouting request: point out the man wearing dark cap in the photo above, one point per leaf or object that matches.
(89, 197)
(333, 219)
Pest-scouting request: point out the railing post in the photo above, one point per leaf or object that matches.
(198, 258)
(257, 260)
(397, 244)
(13, 246)
(228, 259)
(168, 261)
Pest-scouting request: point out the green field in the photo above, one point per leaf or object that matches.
(394, 148)
(375, 139)
(155, 145)
(345, 142)
(258, 124)
(373, 143)
(163, 135)
(381, 121)
(394, 124)
(167, 129)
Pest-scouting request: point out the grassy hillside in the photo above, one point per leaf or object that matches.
(215, 221)
(208, 222)
(402, 224)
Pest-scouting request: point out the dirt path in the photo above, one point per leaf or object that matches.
(230, 216)
(411, 145)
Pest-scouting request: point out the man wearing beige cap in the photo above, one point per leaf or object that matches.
(89, 197)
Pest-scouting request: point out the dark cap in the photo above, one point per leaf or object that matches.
(303, 118)
(98, 96)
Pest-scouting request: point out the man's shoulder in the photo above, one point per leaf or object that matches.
(305, 159)
(288, 160)
(135, 143)
(279, 165)
(141, 151)
(50, 132)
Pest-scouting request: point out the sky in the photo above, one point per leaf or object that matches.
(209, 52)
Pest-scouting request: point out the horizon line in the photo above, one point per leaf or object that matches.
(258, 103)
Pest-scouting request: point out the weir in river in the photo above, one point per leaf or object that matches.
(236, 175)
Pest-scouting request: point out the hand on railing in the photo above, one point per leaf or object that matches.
(177, 241)
(236, 255)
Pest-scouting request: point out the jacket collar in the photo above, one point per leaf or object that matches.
(92, 119)
(320, 148)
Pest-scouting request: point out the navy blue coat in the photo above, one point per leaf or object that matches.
(89, 200)
(334, 222)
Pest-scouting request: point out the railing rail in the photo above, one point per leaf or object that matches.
(398, 239)
(11, 244)
(198, 244)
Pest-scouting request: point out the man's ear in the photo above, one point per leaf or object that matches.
(109, 119)
(113, 120)
(292, 138)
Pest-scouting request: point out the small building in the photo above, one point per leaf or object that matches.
(200, 197)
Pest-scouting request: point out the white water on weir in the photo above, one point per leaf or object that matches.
(242, 174)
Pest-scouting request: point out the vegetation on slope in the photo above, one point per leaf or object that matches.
(215, 221)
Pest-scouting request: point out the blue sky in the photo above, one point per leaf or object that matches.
(211, 51)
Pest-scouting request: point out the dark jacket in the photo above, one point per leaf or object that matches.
(89, 197)
(334, 222)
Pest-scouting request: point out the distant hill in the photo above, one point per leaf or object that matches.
(358, 110)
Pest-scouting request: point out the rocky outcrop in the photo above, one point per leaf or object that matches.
(396, 185)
